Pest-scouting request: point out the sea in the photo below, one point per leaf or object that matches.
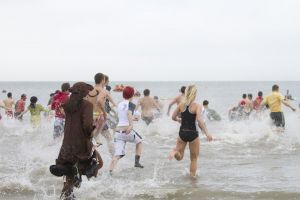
(247, 160)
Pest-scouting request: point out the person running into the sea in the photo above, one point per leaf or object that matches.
(210, 113)
(191, 112)
(257, 101)
(105, 131)
(96, 97)
(243, 101)
(158, 113)
(58, 101)
(77, 154)
(2, 106)
(124, 131)
(177, 99)
(35, 110)
(147, 105)
(20, 106)
(248, 107)
(51, 98)
(9, 102)
(275, 101)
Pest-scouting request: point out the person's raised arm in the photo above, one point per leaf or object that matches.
(138, 104)
(286, 103)
(111, 99)
(201, 123)
(156, 105)
(24, 112)
(175, 115)
(171, 104)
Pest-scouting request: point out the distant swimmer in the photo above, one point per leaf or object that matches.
(77, 155)
(275, 101)
(288, 96)
(210, 113)
(158, 112)
(9, 102)
(2, 106)
(177, 99)
(248, 107)
(58, 101)
(188, 134)
(257, 101)
(20, 106)
(243, 101)
(124, 131)
(35, 111)
(147, 105)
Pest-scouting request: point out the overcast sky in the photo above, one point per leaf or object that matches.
(144, 40)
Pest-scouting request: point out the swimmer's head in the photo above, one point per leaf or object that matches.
(250, 96)
(9, 95)
(275, 88)
(155, 97)
(65, 87)
(128, 92)
(99, 77)
(108, 88)
(146, 92)
(33, 99)
(23, 97)
(137, 94)
(244, 96)
(182, 89)
(205, 103)
(260, 94)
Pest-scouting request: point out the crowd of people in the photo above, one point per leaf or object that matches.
(83, 113)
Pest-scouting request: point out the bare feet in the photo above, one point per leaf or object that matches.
(172, 154)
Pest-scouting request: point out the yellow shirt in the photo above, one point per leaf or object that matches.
(274, 101)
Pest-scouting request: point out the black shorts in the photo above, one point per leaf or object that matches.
(278, 119)
(188, 135)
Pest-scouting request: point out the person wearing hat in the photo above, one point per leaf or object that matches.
(77, 154)
(124, 131)
(20, 106)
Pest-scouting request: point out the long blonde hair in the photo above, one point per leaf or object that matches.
(189, 96)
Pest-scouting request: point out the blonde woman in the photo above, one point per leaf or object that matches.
(190, 113)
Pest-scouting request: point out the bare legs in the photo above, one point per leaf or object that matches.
(178, 153)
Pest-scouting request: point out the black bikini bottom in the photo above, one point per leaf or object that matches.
(188, 135)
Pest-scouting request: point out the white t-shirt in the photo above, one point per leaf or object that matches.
(123, 108)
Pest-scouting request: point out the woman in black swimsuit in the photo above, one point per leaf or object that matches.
(190, 113)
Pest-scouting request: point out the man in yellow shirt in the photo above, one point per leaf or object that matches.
(275, 101)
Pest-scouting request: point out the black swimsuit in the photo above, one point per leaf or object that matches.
(188, 131)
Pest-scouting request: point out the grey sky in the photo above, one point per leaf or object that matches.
(150, 39)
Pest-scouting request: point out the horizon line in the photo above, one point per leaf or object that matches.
(156, 81)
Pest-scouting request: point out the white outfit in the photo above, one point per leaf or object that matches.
(120, 137)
